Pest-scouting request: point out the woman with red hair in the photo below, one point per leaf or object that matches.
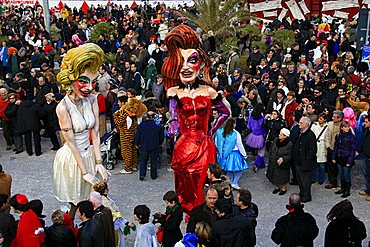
(187, 81)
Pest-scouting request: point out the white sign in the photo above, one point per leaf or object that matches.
(339, 4)
(263, 6)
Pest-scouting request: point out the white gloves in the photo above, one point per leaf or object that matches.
(102, 171)
(90, 178)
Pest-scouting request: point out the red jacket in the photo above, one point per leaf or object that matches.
(3, 105)
(289, 110)
(30, 232)
(101, 104)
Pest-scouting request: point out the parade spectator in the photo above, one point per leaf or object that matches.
(343, 156)
(11, 112)
(170, 221)
(90, 233)
(28, 124)
(344, 226)
(319, 128)
(148, 138)
(103, 217)
(304, 154)
(8, 225)
(5, 123)
(280, 153)
(5, 185)
(204, 212)
(297, 228)
(145, 235)
(58, 234)
(365, 148)
(231, 229)
(332, 131)
(245, 206)
(29, 231)
(51, 116)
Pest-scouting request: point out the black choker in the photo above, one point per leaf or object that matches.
(189, 86)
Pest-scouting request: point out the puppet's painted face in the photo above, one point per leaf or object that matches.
(85, 84)
(191, 65)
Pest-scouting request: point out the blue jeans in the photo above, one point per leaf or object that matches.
(144, 158)
(318, 174)
(366, 167)
(345, 173)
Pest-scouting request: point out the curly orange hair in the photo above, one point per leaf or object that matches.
(182, 37)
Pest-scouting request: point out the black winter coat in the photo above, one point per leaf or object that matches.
(41, 91)
(11, 112)
(59, 236)
(304, 151)
(251, 213)
(103, 217)
(90, 234)
(365, 146)
(50, 112)
(343, 231)
(344, 148)
(279, 174)
(297, 228)
(273, 127)
(28, 117)
(233, 231)
(171, 223)
(198, 214)
(8, 227)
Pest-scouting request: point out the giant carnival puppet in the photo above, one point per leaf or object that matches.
(187, 81)
(77, 163)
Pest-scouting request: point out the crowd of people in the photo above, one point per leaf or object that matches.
(304, 109)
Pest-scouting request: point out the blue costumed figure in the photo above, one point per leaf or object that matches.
(231, 153)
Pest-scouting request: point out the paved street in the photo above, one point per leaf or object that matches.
(33, 177)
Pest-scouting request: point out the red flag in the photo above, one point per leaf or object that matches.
(133, 5)
(60, 5)
(85, 7)
(37, 3)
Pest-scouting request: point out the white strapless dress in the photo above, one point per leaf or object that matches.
(68, 184)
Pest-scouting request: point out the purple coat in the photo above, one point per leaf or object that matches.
(256, 126)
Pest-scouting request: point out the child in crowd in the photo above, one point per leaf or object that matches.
(170, 221)
(146, 234)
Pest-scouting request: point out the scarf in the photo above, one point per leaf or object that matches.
(171, 210)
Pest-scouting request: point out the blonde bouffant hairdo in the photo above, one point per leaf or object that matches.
(85, 57)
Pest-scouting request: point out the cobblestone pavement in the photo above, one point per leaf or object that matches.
(33, 176)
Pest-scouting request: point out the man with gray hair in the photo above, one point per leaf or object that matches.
(304, 154)
(332, 131)
(103, 217)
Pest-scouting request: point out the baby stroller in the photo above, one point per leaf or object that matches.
(108, 146)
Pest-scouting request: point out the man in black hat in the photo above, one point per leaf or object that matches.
(254, 60)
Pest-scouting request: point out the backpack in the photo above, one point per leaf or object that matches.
(142, 81)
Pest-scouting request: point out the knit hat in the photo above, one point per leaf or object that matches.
(151, 61)
(285, 131)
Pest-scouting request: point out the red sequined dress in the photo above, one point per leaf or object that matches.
(193, 151)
